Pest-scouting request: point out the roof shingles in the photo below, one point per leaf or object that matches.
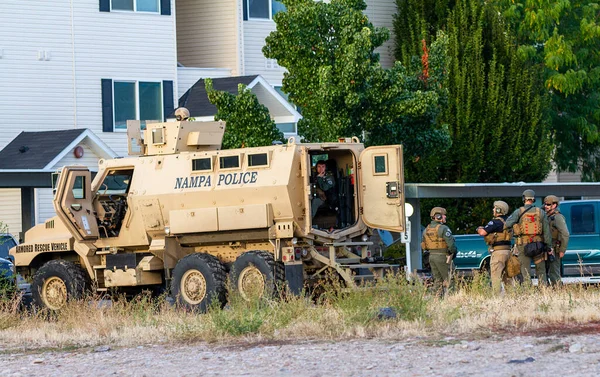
(196, 99)
(34, 150)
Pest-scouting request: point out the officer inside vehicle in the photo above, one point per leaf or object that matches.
(324, 183)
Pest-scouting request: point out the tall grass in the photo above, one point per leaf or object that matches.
(337, 313)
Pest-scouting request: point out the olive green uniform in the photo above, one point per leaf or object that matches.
(498, 238)
(444, 244)
(560, 240)
(325, 183)
(542, 235)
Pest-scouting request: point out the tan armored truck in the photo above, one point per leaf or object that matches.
(186, 216)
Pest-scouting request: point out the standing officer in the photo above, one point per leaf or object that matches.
(560, 237)
(498, 238)
(530, 225)
(439, 241)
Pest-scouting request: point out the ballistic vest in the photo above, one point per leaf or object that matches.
(553, 228)
(493, 238)
(432, 240)
(530, 225)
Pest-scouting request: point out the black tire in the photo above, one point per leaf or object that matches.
(198, 280)
(57, 282)
(245, 271)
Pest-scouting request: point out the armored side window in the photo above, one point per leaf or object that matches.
(259, 159)
(202, 164)
(158, 136)
(79, 188)
(380, 164)
(229, 162)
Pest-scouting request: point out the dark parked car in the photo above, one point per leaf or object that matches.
(6, 265)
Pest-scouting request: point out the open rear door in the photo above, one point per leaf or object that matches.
(381, 188)
(73, 202)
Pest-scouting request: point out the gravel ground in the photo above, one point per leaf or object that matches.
(567, 355)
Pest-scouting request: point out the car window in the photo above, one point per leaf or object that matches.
(6, 243)
(582, 219)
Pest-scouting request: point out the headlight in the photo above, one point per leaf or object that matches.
(294, 241)
(167, 230)
(365, 238)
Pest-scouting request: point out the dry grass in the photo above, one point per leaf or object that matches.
(470, 310)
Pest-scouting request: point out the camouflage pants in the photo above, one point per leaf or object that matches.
(440, 271)
(497, 266)
(540, 268)
(554, 270)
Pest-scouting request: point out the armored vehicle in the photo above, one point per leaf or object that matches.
(182, 214)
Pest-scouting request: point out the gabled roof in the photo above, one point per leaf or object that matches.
(41, 150)
(196, 99)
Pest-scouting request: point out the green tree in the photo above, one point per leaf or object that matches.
(334, 76)
(563, 37)
(415, 21)
(249, 123)
(495, 109)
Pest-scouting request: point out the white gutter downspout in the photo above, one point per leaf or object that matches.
(73, 66)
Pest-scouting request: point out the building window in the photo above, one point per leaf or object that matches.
(287, 128)
(136, 5)
(271, 64)
(136, 100)
(263, 9)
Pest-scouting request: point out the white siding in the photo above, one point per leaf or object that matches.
(10, 210)
(186, 77)
(207, 33)
(83, 45)
(89, 158)
(569, 177)
(255, 63)
(53, 55)
(44, 206)
(37, 92)
(381, 14)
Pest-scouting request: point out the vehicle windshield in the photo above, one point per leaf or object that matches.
(116, 182)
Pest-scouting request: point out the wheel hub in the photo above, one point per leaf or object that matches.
(251, 283)
(193, 287)
(54, 293)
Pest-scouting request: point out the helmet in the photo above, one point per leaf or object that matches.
(437, 211)
(500, 207)
(528, 194)
(182, 114)
(551, 199)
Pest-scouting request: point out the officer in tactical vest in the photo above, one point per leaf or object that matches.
(324, 182)
(499, 243)
(530, 226)
(439, 241)
(560, 237)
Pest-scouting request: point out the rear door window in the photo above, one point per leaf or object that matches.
(583, 219)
